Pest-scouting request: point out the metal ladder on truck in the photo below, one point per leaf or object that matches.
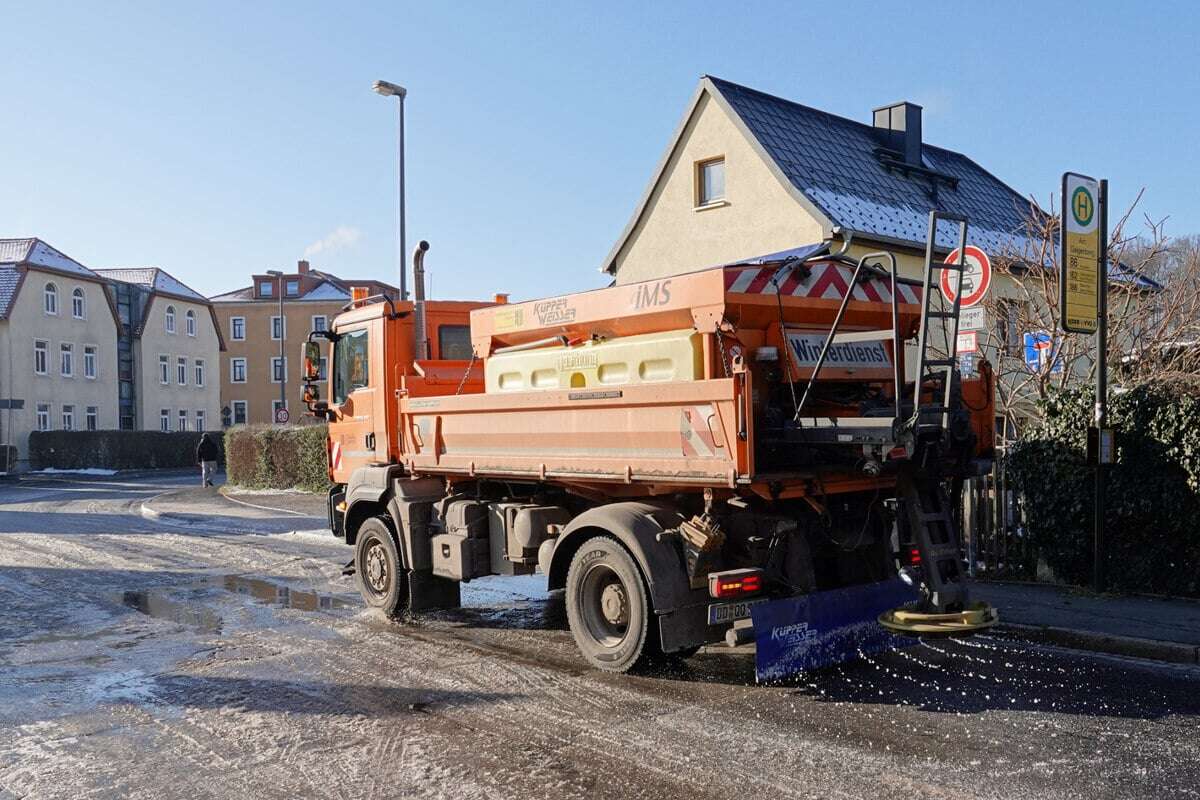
(932, 523)
(942, 370)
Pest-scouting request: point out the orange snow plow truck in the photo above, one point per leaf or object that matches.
(684, 457)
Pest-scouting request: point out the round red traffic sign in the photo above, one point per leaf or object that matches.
(281, 415)
(976, 277)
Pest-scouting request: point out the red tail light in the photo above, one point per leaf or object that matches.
(914, 557)
(734, 583)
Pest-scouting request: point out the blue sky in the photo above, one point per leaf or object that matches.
(216, 140)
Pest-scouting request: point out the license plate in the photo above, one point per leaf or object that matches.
(729, 612)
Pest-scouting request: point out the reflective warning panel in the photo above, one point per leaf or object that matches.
(1079, 294)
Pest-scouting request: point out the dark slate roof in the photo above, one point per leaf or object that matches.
(832, 161)
(10, 277)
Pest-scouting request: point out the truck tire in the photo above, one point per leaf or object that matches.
(608, 607)
(382, 579)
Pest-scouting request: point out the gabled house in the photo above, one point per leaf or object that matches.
(752, 178)
(748, 174)
(169, 353)
(58, 346)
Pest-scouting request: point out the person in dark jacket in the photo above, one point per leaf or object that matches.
(207, 454)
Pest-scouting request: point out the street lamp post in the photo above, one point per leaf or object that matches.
(282, 333)
(393, 90)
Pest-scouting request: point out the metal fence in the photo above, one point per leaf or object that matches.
(995, 538)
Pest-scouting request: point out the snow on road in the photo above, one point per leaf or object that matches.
(223, 654)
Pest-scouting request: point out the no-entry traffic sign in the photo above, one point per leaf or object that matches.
(975, 280)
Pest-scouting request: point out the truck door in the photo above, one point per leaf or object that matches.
(356, 399)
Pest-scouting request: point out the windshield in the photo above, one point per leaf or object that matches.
(350, 367)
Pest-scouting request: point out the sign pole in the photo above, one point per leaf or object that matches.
(1083, 306)
(1098, 577)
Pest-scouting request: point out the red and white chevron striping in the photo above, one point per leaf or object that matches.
(828, 281)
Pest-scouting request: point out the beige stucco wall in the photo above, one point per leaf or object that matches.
(259, 348)
(759, 217)
(26, 323)
(153, 395)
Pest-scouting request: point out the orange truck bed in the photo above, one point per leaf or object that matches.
(651, 436)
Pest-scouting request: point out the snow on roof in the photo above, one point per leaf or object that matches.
(13, 250)
(36, 253)
(236, 296)
(327, 291)
(156, 279)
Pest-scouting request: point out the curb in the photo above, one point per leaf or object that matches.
(1111, 644)
(225, 494)
(147, 511)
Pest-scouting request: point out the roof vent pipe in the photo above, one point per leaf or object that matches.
(901, 127)
(421, 337)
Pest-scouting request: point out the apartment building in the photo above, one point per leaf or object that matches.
(58, 346)
(254, 374)
(168, 353)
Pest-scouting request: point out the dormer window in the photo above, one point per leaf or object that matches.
(710, 182)
(265, 288)
(293, 288)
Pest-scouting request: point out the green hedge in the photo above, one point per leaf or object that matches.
(1152, 510)
(271, 457)
(113, 449)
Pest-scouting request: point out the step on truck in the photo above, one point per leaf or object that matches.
(673, 454)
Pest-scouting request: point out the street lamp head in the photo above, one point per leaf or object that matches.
(275, 273)
(389, 89)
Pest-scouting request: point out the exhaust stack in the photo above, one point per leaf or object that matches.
(421, 339)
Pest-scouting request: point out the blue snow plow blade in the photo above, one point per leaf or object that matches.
(825, 628)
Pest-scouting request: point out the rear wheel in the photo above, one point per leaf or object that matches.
(382, 579)
(608, 607)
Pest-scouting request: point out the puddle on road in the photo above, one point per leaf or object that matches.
(167, 604)
(156, 604)
(278, 595)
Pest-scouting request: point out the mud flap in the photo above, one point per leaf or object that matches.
(825, 628)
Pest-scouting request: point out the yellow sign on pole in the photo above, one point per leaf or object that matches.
(1079, 292)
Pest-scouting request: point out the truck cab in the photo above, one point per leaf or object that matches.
(371, 358)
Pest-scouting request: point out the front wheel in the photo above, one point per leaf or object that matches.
(382, 579)
(608, 608)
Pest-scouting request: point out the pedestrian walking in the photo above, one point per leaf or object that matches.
(206, 456)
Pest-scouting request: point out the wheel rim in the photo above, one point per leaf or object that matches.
(376, 574)
(605, 605)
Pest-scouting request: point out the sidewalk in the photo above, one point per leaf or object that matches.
(1143, 627)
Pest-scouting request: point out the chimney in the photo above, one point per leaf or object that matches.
(901, 127)
(302, 266)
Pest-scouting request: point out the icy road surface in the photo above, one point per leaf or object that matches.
(221, 656)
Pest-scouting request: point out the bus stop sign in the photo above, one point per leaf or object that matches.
(1079, 290)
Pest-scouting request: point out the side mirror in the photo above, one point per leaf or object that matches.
(312, 361)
